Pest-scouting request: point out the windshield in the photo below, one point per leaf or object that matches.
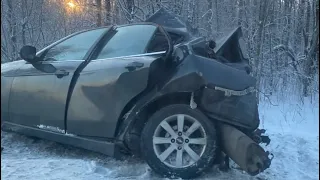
(74, 47)
(128, 40)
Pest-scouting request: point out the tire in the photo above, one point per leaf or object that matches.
(179, 169)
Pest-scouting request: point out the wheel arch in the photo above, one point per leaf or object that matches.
(129, 130)
(160, 102)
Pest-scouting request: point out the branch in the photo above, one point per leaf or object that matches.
(267, 96)
(289, 53)
(4, 52)
(120, 5)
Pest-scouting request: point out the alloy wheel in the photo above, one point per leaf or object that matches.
(179, 141)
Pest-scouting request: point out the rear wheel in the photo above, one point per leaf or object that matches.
(178, 141)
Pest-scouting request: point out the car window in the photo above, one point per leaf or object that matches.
(175, 38)
(158, 43)
(128, 40)
(75, 47)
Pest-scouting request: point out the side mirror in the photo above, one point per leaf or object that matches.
(28, 53)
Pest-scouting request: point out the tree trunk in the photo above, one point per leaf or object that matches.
(99, 9)
(260, 37)
(109, 12)
(310, 51)
(240, 11)
(24, 23)
(308, 63)
(209, 15)
(217, 16)
(130, 8)
(12, 30)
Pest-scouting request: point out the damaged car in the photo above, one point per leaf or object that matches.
(183, 103)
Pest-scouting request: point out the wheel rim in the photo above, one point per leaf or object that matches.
(179, 141)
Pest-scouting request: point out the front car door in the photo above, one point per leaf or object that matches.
(38, 98)
(117, 73)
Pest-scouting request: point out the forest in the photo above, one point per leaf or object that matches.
(281, 36)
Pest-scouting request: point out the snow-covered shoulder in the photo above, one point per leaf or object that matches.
(292, 127)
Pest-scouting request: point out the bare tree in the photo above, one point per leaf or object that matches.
(282, 36)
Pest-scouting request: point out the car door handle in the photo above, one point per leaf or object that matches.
(61, 73)
(134, 65)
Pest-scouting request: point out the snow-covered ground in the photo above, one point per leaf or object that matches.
(292, 127)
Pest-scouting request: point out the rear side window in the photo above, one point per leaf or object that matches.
(175, 38)
(158, 43)
(128, 40)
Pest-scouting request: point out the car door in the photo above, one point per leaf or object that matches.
(118, 73)
(38, 98)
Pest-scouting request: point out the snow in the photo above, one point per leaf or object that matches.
(51, 128)
(69, 134)
(292, 127)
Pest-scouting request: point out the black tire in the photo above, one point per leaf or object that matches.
(202, 165)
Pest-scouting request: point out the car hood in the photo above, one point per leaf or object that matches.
(10, 67)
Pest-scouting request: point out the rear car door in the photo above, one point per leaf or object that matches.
(38, 98)
(117, 73)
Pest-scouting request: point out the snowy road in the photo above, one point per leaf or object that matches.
(296, 158)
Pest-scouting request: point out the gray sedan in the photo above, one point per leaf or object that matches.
(152, 89)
